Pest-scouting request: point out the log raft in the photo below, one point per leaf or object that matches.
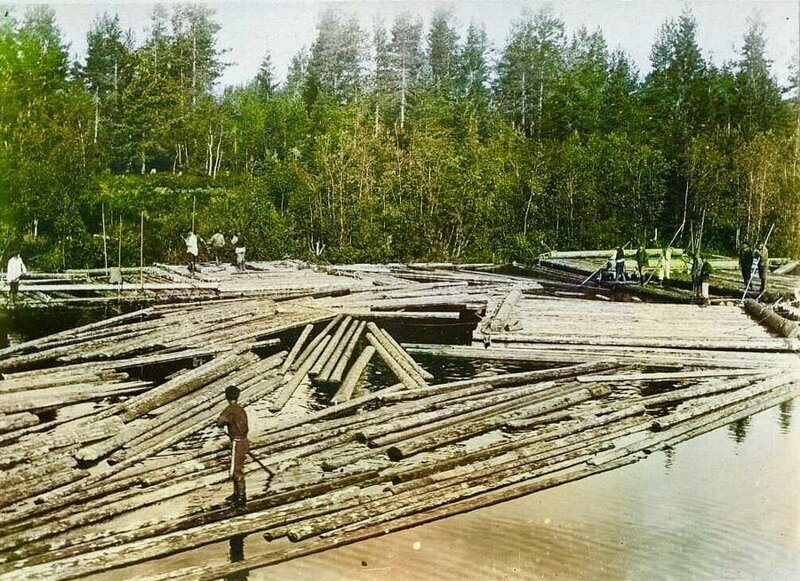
(135, 397)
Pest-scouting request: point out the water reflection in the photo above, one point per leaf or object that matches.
(669, 458)
(785, 416)
(738, 429)
(25, 324)
(237, 556)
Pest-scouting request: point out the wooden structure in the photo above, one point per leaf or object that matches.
(110, 457)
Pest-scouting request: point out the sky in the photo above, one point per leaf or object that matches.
(250, 28)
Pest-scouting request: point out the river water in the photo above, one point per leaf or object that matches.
(724, 506)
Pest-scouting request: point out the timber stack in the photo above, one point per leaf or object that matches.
(111, 460)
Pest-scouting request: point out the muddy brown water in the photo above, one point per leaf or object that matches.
(725, 505)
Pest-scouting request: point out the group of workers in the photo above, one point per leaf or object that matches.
(215, 245)
(615, 267)
(700, 270)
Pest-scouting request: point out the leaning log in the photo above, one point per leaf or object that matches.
(298, 346)
(391, 362)
(333, 344)
(345, 392)
(344, 343)
(301, 373)
(344, 359)
(314, 342)
(425, 374)
(397, 354)
(499, 320)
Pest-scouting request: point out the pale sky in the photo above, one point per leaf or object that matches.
(283, 27)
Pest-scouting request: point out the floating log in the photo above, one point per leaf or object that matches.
(49, 398)
(266, 343)
(720, 401)
(785, 346)
(505, 379)
(772, 320)
(16, 421)
(671, 376)
(182, 385)
(28, 345)
(431, 316)
(37, 447)
(688, 393)
(489, 421)
(671, 429)
(124, 287)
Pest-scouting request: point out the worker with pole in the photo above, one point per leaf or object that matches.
(234, 418)
(760, 264)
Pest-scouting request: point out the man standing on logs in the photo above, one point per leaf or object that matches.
(235, 419)
(762, 255)
(746, 262)
(217, 242)
(191, 250)
(14, 271)
(641, 262)
(619, 258)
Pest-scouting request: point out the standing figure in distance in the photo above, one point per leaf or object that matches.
(641, 262)
(217, 242)
(746, 262)
(763, 266)
(619, 258)
(234, 418)
(191, 250)
(240, 264)
(14, 271)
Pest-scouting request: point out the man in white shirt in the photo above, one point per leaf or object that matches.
(191, 250)
(240, 264)
(14, 271)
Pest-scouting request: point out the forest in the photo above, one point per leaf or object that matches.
(404, 142)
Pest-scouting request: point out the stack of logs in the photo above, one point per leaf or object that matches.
(131, 470)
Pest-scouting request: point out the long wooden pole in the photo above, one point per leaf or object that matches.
(141, 252)
(105, 241)
(194, 201)
(119, 250)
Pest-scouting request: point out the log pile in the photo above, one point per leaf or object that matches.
(359, 432)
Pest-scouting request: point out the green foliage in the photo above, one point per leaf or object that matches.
(407, 154)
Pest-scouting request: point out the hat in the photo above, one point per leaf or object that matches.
(232, 393)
